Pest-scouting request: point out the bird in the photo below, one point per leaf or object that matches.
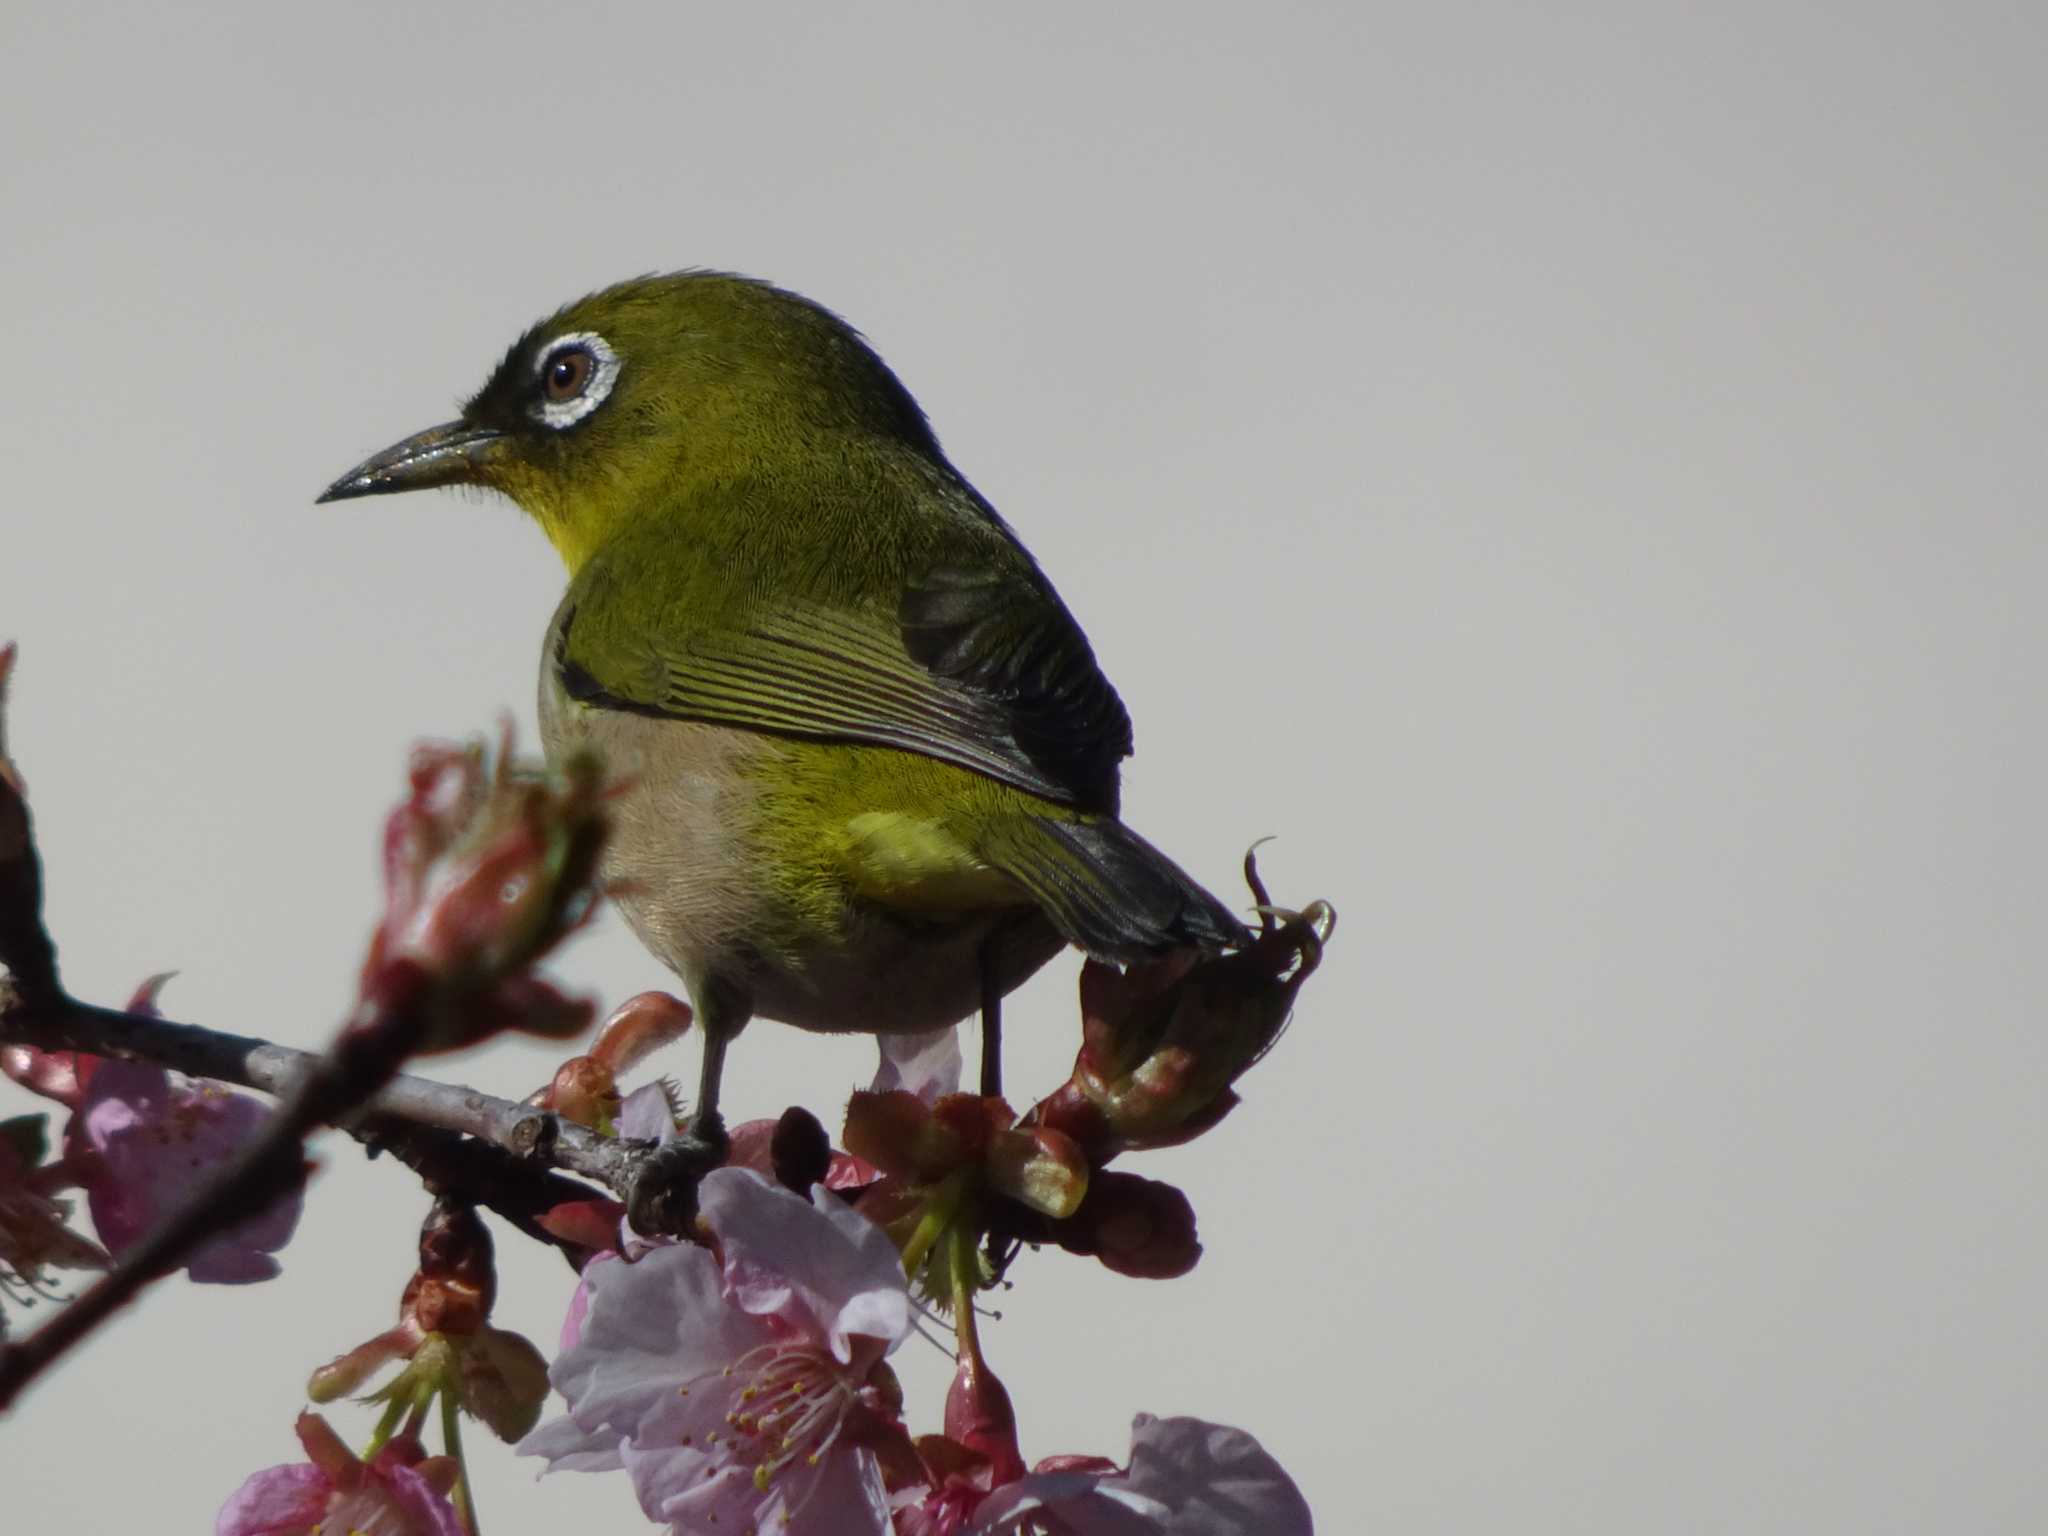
(871, 763)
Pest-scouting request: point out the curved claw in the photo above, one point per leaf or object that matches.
(1262, 903)
(663, 1198)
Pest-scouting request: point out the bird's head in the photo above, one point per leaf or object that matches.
(627, 403)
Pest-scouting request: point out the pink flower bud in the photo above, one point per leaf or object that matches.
(486, 868)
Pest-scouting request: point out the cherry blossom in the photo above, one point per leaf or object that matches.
(748, 1390)
(142, 1140)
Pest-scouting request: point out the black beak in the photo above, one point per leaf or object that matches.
(450, 454)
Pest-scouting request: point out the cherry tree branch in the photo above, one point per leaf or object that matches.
(26, 952)
(540, 1139)
(477, 1173)
(354, 1085)
(488, 1150)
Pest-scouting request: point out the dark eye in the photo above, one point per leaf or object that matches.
(573, 375)
(568, 373)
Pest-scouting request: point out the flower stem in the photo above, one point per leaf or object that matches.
(416, 1420)
(386, 1428)
(451, 1436)
(964, 1271)
(939, 1213)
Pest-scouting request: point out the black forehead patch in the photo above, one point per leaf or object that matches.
(506, 393)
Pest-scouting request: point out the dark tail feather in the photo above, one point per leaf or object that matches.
(1111, 892)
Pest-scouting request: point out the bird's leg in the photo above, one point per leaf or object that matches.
(663, 1197)
(707, 1125)
(991, 1023)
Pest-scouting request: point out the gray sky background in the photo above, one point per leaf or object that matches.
(1574, 476)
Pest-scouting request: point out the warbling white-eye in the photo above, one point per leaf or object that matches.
(873, 760)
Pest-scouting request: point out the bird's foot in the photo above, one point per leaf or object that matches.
(664, 1194)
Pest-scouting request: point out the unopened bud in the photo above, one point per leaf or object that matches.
(1162, 1042)
(638, 1027)
(584, 1091)
(800, 1150)
(1135, 1226)
(345, 1374)
(486, 868)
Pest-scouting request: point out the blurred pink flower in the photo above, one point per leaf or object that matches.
(746, 1391)
(141, 1141)
(399, 1492)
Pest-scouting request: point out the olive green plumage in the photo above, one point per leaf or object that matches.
(875, 761)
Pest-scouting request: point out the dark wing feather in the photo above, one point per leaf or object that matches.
(981, 671)
(1063, 716)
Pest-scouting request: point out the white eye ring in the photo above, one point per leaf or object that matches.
(604, 373)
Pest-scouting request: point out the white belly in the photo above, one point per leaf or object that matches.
(684, 875)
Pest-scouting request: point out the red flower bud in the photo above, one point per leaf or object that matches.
(1135, 1226)
(486, 868)
(638, 1027)
(1162, 1042)
(980, 1418)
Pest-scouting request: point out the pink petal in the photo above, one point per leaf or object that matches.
(1187, 1478)
(644, 1115)
(568, 1447)
(428, 1511)
(279, 1501)
(691, 1491)
(1217, 1480)
(704, 1486)
(158, 1140)
(226, 1262)
(650, 1325)
(579, 1307)
(926, 1064)
(826, 1271)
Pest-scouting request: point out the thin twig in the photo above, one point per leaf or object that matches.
(544, 1139)
(26, 952)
